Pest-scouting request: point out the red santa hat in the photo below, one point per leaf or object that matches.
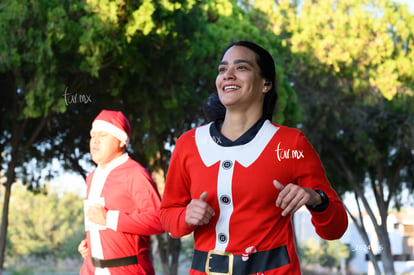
(113, 123)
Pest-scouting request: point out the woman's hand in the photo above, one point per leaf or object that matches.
(292, 197)
(199, 211)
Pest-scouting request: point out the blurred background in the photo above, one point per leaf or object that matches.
(345, 78)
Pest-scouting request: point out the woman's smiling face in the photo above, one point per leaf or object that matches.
(239, 83)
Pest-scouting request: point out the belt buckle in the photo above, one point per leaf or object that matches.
(221, 253)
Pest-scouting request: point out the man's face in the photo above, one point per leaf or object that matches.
(104, 147)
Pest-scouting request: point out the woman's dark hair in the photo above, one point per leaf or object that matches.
(213, 108)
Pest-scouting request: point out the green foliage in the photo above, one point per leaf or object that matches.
(33, 40)
(326, 253)
(160, 56)
(333, 253)
(161, 75)
(43, 225)
(367, 42)
(22, 271)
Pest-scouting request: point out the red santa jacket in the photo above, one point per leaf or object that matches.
(132, 200)
(239, 182)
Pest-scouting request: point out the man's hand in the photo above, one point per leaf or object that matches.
(96, 214)
(83, 249)
(292, 197)
(198, 211)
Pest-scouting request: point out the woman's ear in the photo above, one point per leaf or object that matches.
(267, 85)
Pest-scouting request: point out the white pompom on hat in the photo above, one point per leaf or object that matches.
(113, 123)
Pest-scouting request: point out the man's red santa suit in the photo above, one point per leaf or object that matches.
(128, 194)
(248, 234)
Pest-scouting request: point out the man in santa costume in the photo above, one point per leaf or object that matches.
(121, 204)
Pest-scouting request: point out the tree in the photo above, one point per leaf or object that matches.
(350, 67)
(30, 74)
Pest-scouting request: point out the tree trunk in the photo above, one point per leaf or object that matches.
(17, 151)
(386, 252)
(362, 231)
(380, 229)
(169, 249)
(5, 214)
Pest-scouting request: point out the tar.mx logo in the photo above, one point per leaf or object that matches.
(75, 98)
(365, 248)
(283, 153)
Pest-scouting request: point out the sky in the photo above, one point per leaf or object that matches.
(69, 182)
(410, 4)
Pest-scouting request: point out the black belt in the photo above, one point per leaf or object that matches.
(115, 262)
(217, 262)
